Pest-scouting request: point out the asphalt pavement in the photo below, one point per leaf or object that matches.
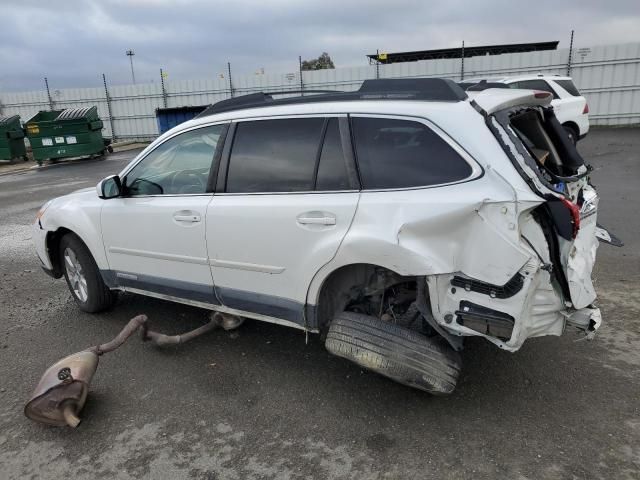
(260, 403)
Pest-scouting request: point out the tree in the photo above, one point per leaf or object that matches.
(320, 63)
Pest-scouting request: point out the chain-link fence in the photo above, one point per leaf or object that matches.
(608, 76)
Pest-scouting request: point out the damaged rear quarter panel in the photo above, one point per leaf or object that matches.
(429, 231)
(471, 228)
(463, 227)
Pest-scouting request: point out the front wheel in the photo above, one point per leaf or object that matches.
(83, 277)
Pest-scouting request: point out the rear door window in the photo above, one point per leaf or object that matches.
(393, 153)
(274, 155)
(569, 86)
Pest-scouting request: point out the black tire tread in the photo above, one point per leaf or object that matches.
(100, 296)
(396, 352)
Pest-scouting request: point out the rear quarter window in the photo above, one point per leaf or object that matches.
(393, 153)
(569, 86)
(537, 84)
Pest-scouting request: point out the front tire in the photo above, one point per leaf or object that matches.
(403, 355)
(83, 277)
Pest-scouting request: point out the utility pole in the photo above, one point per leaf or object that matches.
(108, 97)
(462, 62)
(230, 82)
(570, 55)
(164, 90)
(300, 72)
(130, 54)
(46, 84)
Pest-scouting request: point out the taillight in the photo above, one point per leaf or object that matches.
(574, 210)
(541, 94)
(585, 110)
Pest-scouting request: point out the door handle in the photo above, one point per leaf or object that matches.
(188, 217)
(306, 219)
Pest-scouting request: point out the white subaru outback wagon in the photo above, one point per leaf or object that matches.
(395, 221)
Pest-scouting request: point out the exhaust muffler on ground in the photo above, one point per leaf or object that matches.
(63, 389)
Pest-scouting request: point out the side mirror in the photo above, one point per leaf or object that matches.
(110, 187)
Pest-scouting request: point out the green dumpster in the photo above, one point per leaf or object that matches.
(75, 132)
(12, 139)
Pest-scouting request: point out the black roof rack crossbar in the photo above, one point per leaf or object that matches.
(252, 100)
(426, 89)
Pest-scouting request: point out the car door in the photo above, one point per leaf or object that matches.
(154, 235)
(287, 193)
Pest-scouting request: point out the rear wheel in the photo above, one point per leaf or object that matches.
(401, 354)
(83, 277)
(571, 133)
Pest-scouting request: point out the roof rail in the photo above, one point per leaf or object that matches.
(426, 89)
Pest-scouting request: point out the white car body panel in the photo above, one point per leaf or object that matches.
(162, 237)
(492, 100)
(79, 212)
(268, 244)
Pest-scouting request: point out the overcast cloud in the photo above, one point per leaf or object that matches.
(72, 42)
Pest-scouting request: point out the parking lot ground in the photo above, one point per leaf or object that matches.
(260, 403)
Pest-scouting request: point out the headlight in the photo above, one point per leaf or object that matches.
(43, 208)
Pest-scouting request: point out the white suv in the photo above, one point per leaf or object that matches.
(570, 107)
(395, 221)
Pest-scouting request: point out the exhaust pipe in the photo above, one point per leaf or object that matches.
(63, 389)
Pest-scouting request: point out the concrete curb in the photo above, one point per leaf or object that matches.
(17, 170)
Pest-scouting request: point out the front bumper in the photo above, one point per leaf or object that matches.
(49, 272)
(39, 237)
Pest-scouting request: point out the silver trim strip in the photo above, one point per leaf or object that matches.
(252, 267)
(127, 276)
(218, 308)
(160, 256)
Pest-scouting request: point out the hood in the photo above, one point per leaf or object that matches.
(76, 196)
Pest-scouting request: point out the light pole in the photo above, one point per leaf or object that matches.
(130, 54)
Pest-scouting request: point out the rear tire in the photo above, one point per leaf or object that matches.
(403, 355)
(83, 276)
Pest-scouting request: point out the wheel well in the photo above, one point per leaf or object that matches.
(351, 284)
(53, 249)
(573, 126)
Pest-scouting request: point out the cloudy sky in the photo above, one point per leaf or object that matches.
(72, 41)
